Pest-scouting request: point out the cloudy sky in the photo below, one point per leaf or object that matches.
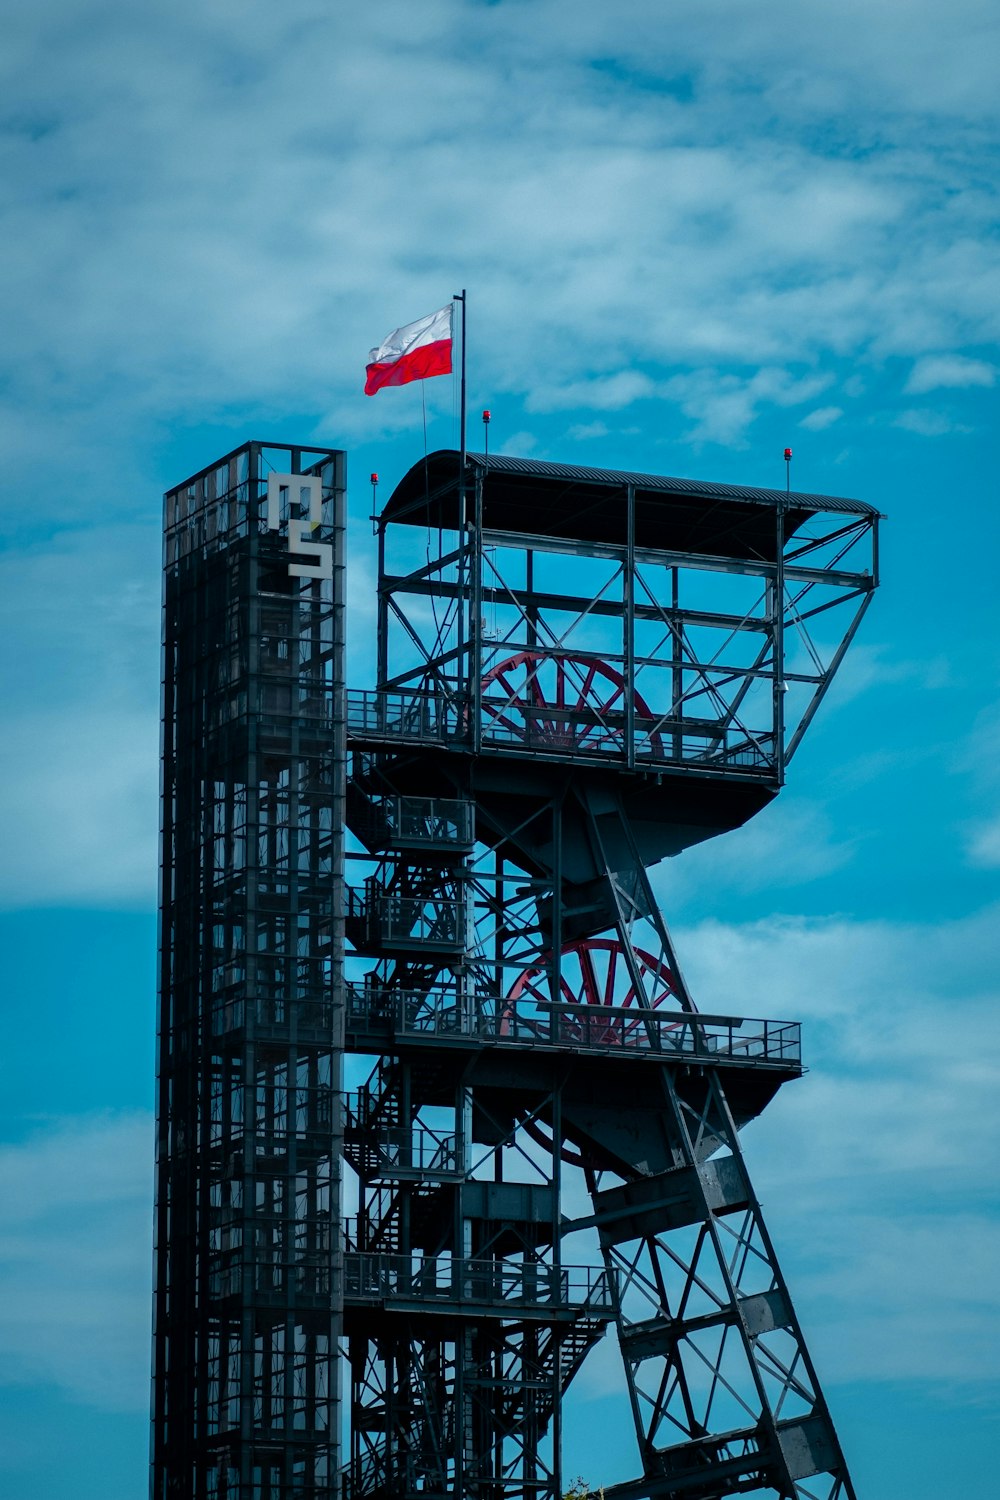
(693, 232)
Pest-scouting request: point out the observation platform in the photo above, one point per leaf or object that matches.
(611, 1056)
(415, 1018)
(605, 637)
(424, 1286)
(398, 720)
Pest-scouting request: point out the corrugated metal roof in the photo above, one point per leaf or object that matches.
(695, 488)
(586, 506)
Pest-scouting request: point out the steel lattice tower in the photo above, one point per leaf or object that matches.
(583, 672)
(247, 1302)
(579, 674)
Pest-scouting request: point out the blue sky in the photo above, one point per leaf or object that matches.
(692, 233)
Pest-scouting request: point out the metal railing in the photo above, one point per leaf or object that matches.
(397, 1148)
(618, 1030)
(429, 820)
(439, 1280)
(377, 919)
(237, 1274)
(397, 715)
(419, 823)
(401, 1153)
(434, 1012)
(438, 718)
(584, 731)
(719, 1038)
(313, 1016)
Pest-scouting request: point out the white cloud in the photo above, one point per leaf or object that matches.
(869, 665)
(984, 845)
(519, 443)
(871, 1179)
(78, 788)
(602, 393)
(825, 968)
(949, 371)
(927, 423)
(792, 841)
(823, 416)
(979, 753)
(194, 234)
(78, 802)
(75, 1257)
(724, 406)
(862, 1295)
(86, 602)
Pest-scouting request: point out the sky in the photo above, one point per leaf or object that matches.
(692, 232)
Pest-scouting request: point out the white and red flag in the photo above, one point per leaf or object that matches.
(413, 352)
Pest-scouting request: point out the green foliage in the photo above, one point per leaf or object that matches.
(579, 1489)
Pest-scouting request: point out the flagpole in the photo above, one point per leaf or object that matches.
(460, 297)
(464, 560)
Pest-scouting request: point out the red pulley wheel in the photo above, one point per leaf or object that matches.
(593, 974)
(525, 686)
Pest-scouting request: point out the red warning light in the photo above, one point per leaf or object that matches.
(486, 415)
(374, 479)
(788, 453)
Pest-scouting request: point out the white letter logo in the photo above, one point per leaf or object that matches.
(318, 555)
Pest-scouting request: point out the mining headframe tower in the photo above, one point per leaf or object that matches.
(437, 1110)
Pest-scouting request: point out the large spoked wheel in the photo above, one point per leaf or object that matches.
(561, 700)
(594, 978)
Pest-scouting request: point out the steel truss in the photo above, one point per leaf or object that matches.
(465, 1325)
(578, 675)
(615, 655)
(589, 706)
(723, 1392)
(720, 1382)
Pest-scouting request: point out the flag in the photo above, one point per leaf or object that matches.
(413, 352)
